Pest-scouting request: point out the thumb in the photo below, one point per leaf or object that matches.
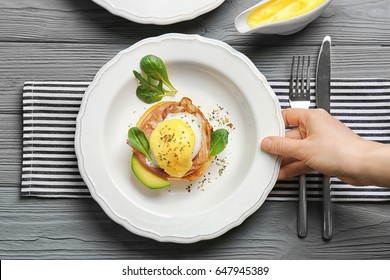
(283, 146)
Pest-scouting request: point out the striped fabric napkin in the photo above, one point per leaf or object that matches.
(49, 167)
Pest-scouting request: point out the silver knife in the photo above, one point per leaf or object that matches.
(323, 101)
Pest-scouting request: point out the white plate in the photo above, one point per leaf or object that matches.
(159, 11)
(212, 74)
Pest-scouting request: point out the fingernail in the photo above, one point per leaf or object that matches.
(267, 144)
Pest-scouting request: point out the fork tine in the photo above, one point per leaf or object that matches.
(302, 76)
(297, 76)
(292, 75)
(308, 75)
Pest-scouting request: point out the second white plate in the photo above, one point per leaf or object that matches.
(159, 11)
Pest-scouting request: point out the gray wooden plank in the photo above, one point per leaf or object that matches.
(79, 229)
(10, 150)
(354, 22)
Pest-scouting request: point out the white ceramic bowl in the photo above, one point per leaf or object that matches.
(284, 27)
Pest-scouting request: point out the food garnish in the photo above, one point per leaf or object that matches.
(152, 80)
(219, 140)
(136, 137)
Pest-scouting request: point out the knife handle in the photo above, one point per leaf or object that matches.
(327, 210)
(302, 208)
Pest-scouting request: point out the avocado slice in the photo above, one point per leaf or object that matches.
(147, 177)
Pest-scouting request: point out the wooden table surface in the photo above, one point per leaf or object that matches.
(72, 39)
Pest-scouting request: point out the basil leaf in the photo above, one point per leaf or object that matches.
(219, 140)
(148, 96)
(147, 91)
(138, 140)
(154, 67)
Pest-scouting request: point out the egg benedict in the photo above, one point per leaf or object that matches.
(177, 141)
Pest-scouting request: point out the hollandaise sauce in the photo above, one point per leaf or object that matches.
(172, 143)
(278, 10)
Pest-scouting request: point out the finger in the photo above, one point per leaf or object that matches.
(293, 116)
(294, 133)
(283, 146)
(287, 160)
(292, 170)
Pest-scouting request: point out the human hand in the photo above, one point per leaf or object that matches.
(320, 142)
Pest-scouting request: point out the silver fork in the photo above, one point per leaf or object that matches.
(299, 97)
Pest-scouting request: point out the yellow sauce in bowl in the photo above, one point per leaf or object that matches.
(278, 10)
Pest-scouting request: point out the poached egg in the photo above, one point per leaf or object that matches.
(175, 142)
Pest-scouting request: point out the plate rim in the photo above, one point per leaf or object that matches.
(103, 203)
(147, 19)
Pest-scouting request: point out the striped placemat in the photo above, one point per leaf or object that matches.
(49, 167)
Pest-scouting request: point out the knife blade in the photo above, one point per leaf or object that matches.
(323, 75)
